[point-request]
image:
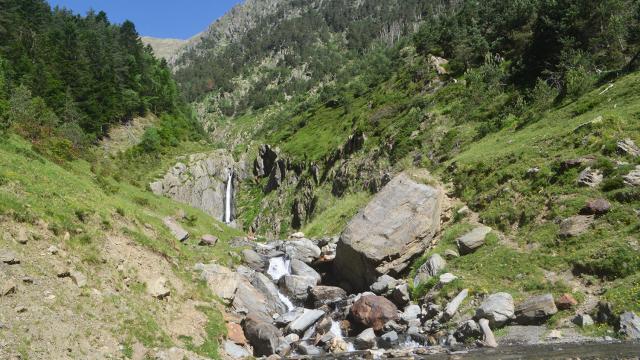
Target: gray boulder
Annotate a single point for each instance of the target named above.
(432, 267)
(389, 340)
(300, 268)
(452, 307)
(583, 320)
(389, 232)
(264, 284)
(286, 318)
(472, 240)
(176, 229)
(248, 299)
(305, 321)
(383, 285)
(535, 310)
(235, 351)
(222, 281)
(297, 286)
(468, 330)
(304, 250)
(9, 257)
(400, 295)
(498, 308)
(630, 326)
(633, 177)
(208, 240)
(365, 340)
(590, 178)
(411, 312)
(322, 295)
(262, 335)
(628, 147)
(254, 260)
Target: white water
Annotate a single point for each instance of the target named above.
(337, 332)
(227, 200)
(279, 267)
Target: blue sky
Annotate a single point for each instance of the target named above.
(180, 19)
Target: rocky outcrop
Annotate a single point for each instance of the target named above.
(633, 177)
(575, 225)
(391, 230)
(628, 147)
(200, 181)
(590, 178)
(535, 310)
(630, 326)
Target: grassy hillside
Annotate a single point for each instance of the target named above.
(113, 233)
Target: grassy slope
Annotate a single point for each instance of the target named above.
(70, 198)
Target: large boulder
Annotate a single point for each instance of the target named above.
(222, 281)
(373, 311)
(389, 232)
(498, 308)
(321, 295)
(304, 250)
(536, 309)
(630, 326)
(254, 260)
(296, 286)
(263, 336)
(269, 289)
(300, 268)
(176, 229)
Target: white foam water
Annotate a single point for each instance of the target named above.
(285, 300)
(337, 332)
(227, 200)
(279, 267)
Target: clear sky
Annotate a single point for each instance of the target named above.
(179, 19)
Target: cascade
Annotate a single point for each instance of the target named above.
(228, 198)
(279, 267)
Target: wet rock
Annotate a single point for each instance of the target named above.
(9, 257)
(489, 339)
(596, 207)
(401, 295)
(311, 350)
(575, 225)
(498, 308)
(176, 229)
(373, 311)
(389, 232)
(365, 340)
(389, 340)
(158, 288)
(633, 177)
(262, 283)
(297, 287)
(301, 269)
(304, 250)
(535, 310)
(630, 326)
(322, 295)
(432, 267)
(262, 335)
(566, 302)
(471, 241)
(383, 285)
(254, 260)
(208, 240)
(452, 307)
(583, 320)
(235, 351)
(628, 147)
(590, 178)
(305, 321)
(468, 330)
(235, 333)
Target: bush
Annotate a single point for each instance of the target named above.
(151, 141)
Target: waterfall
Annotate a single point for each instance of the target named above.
(337, 332)
(279, 267)
(228, 198)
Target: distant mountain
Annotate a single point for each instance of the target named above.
(164, 48)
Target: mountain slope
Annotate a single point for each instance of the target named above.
(164, 48)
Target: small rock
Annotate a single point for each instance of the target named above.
(322, 295)
(307, 349)
(158, 289)
(62, 272)
(7, 287)
(388, 340)
(305, 321)
(596, 207)
(633, 177)
(176, 229)
(474, 239)
(575, 225)
(235, 333)
(451, 254)
(235, 351)
(53, 250)
(27, 280)
(583, 320)
(23, 236)
(628, 147)
(554, 335)
(498, 308)
(20, 309)
(291, 338)
(400, 295)
(208, 240)
(391, 325)
(590, 178)
(432, 267)
(411, 312)
(365, 340)
(78, 278)
(630, 326)
(447, 278)
(373, 311)
(464, 211)
(432, 310)
(297, 286)
(489, 339)
(454, 304)
(566, 302)
(468, 330)
(8, 257)
(297, 235)
(304, 250)
(383, 285)
(536, 309)
(300, 268)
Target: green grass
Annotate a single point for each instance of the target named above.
(334, 214)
